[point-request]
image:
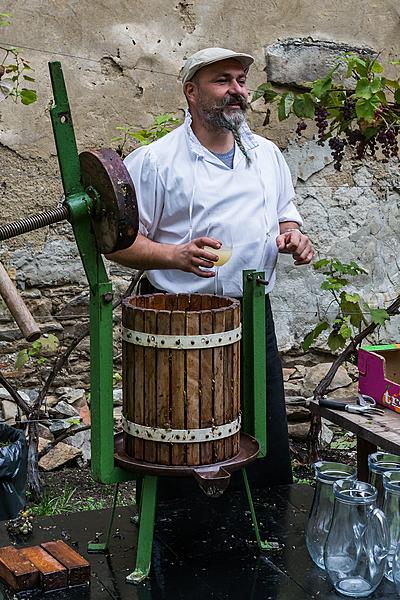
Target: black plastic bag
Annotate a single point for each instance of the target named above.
(13, 471)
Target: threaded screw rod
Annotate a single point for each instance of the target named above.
(55, 215)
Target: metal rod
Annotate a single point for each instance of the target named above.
(10, 230)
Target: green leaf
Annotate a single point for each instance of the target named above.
(27, 96)
(334, 283)
(264, 91)
(310, 337)
(397, 96)
(363, 88)
(376, 85)
(353, 298)
(28, 78)
(395, 62)
(376, 67)
(365, 109)
(321, 86)
(336, 341)
(379, 315)
(322, 262)
(22, 359)
(345, 331)
(303, 106)
(285, 105)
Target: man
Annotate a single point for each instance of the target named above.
(214, 169)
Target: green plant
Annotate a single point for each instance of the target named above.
(15, 72)
(55, 505)
(162, 125)
(46, 344)
(364, 117)
(350, 316)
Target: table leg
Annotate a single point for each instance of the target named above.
(363, 449)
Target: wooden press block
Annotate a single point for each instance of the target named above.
(78, 568)
(53, 575)
(17, 570)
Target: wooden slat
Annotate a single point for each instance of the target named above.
(206, 385)
(218, 380)
(77, 567)
(163, 387)
(128, 378)
(17, 571)
(236, 379)
(150, 386)
(178, 399)
(228, 383)
(192, 384)
(139, 366)
(53, 575)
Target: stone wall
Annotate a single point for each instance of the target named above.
(121, 63)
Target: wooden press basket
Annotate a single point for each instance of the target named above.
(181, 378)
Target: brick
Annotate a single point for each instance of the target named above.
(78, 568)
(53, 575)
(17, 571)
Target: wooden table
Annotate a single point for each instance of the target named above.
(379, 431)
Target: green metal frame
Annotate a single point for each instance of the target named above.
(81, 207)
(254, 359)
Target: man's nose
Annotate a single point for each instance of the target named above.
(235, 87)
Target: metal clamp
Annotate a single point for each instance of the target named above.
(181, 436)
(182, 342)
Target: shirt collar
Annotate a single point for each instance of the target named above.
(248, 138)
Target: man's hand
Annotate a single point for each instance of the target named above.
(198, 253)
(296, 243)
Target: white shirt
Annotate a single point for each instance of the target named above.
(181, 187)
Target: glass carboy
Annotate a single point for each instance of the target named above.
(358, 540)
(391, 508)
(378, 463)
(319, 520)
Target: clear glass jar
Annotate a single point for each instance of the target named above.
(319, 519)
(396, 569)
(378, 463)
(358, 540)
(391, 508)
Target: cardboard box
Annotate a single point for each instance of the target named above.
(379, 374)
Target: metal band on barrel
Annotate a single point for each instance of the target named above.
(181, 436)
(182, 342)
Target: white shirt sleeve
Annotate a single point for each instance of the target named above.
(149, 188)
(287, 211)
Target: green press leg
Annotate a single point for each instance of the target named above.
(262, 545)
(146, 529)
(103, 547)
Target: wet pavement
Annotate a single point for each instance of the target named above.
(203, 549)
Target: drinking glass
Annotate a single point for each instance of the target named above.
(378, 463)
(391, 508)
(223, 233)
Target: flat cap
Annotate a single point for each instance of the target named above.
(205, 57)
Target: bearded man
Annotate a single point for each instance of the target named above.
(214, 169)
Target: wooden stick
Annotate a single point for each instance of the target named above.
(17, 307)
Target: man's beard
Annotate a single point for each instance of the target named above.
(214, 117)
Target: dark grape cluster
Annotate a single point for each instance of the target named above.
(301, 126)
(388, 141)
(322, 123)
(348, 109)
(337, 145)
(354, 136)
(336, 327)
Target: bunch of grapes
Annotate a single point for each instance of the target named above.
(348, 109)
(337, 145)
(322, 123)
(22, 524)
(388, 141)
(301, 126)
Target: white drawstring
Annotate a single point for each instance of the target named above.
(191, 203)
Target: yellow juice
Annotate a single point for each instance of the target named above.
(223, 253)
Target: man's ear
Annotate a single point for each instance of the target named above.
(189, 89)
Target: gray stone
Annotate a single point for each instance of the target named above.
(345, 392)
(297, 413)
(81, 440)
(65, 409)
(4, 395)
(301, 60)
(315, 374)
(306, 159)
(326, 435)
(117, 396)
(117, 413)
(59, 426)
(298, 431)
(70, 395)
(296, 401)
(29, 395)
(45, 433)
(58, 456)
(293, 388)
(10, 410)
(287, 373)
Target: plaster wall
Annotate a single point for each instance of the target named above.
(121, 62)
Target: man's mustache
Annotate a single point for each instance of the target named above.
(230, 99)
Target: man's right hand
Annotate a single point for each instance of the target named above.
(196, 256)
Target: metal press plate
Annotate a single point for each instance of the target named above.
(115, 218)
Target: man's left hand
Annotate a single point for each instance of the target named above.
(296, 243)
